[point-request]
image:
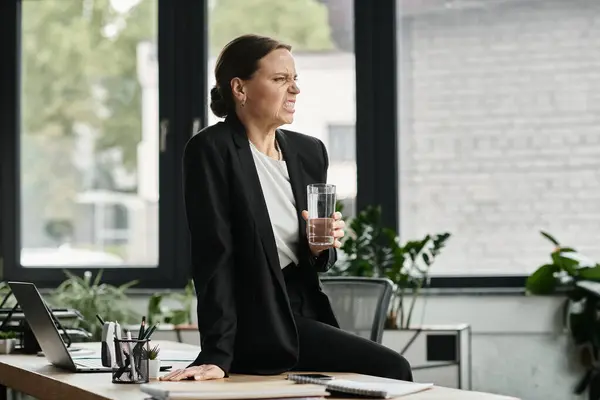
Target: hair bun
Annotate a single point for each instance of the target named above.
(218, 105)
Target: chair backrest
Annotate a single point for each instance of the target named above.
(359, 303)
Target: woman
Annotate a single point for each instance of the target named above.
(260, 305)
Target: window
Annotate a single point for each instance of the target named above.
(499, 134)
(343, 144)
(88, 158)
(89, 110)
(321, 34)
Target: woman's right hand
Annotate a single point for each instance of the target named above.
(199, 373)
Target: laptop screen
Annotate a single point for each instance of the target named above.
(41, 323)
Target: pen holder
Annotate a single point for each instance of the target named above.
(131, 361)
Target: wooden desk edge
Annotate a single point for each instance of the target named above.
(44, 386)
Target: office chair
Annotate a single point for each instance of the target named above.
(359, 303)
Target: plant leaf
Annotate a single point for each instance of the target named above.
(179, 317)
(426, 259)
(98, 278)
(542, 281)
(567, 250)
(590, 273)
(550, 238)
(567, 264)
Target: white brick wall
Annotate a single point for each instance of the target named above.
(500, 132)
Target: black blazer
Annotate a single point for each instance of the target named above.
(244, 317)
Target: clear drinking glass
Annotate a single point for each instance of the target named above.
(321, 206)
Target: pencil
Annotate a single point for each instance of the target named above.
(142, 328)
(149, 332)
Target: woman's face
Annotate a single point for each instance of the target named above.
(270, 95)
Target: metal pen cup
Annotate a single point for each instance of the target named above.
(131, 364)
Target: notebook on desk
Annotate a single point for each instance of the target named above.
(220, 390)
(379, 390)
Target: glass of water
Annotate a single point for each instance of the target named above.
(321, 206)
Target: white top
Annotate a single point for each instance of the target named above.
(277, 189)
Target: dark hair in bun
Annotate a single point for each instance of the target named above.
(238, 59)
(217, 103)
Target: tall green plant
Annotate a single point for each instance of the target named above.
(368, 246)
(158, 312)
(372, 250)
(569, 273)
(410, 272)
(92, 297)
(565, 268)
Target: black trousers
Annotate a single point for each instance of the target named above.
(324, 348)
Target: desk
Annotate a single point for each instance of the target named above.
(33, 375)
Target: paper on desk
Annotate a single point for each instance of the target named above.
(387, 389)
(177, 355)
(205, 390)
(165, 355)
(78, 354)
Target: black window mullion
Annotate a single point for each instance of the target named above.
(9, 115)
(191, 93)
(171, 102)
(376, 107)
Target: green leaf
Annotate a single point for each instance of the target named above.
(98, 278)
(567, 250)
(154, 307)
(179, 317)
(590, 273)
(91, 298)
(127, 285)
(426, 259)
(550, 238)
(565, 263)
(542, 281)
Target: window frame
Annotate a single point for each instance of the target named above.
(175, 21)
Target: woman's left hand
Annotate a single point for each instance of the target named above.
(338, 233)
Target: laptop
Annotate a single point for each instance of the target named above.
(45, 331)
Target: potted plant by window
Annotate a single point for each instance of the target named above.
(578, 278)
(372, 250)
(180, 317)
(93, 297)
(8, 341)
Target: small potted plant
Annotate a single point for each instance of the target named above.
(153, 362)
(8, 341)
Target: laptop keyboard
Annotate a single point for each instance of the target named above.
(95, 363)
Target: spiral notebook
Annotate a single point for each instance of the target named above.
(379, 390)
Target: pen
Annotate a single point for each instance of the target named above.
(131, 358)
(100, 319)
(149, 332)
(142, 326)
